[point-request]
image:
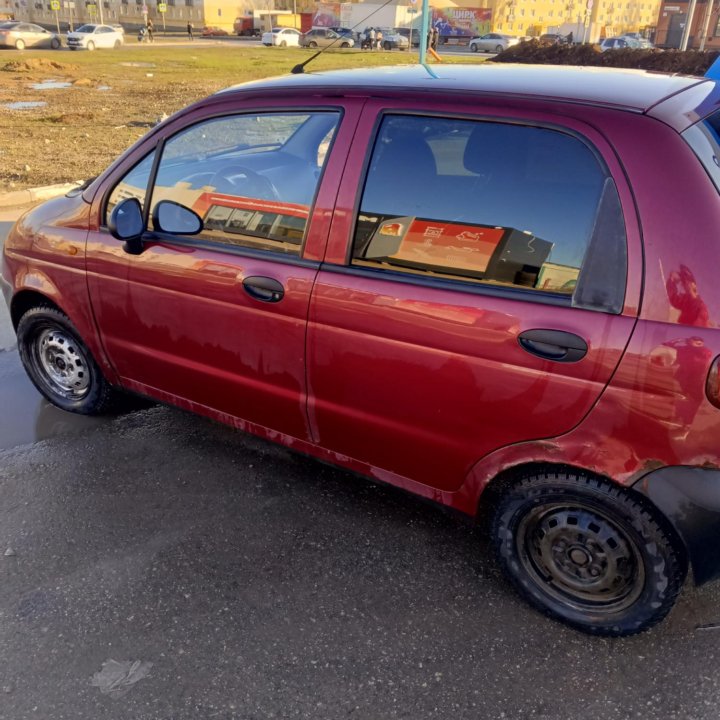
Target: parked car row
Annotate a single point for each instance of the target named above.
(391, 38)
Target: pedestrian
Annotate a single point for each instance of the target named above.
(435, 38)
(379, 39)
(570, 39)
(190, 30)
(371, 35)
(150, 30)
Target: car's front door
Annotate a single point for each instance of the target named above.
(218, 320)
(474, 291)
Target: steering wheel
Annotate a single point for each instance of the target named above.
(241, 180)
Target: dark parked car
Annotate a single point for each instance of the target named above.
(500, 294)
(554, 39)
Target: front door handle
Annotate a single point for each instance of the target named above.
(556, 345)
(263, 288)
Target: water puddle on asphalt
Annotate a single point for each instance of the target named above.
(25, 105)
(26, 416)
(51, 85)
(104, 87)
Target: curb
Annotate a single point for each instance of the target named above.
(20, 198)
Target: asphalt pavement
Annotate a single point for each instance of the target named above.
(158, 566)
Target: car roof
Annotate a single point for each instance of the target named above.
(634, 90)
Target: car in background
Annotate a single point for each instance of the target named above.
(21, 35)
(405, 32)
(553, 39)
(347, 32)
(118, 27)
(90, 37)
(392, 39)
(282, 37)
(213, 31)
(493, 42)
(643, 42)
(325, 37)
(619, 43)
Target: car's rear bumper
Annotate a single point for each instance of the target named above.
(689, 497)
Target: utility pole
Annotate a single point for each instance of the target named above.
(706, 23)
(688, 24)
(424, 26)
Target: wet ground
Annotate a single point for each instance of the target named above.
(157, 566)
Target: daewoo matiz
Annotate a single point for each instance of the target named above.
(495, 287)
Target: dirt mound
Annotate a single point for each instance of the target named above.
(689, 62)
(34, 64)
(84, 82)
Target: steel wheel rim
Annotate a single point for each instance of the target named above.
(580, 557)
(62, 363)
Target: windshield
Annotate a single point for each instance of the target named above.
(277, 30)
(86, 29)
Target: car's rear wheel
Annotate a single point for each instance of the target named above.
(91, 45)
(588, 552)
(117, 44)
(312, 44)
(59, 363)
(473, 47)
(387, 46)
(345, 45)
(283, 43)
(54, 43)
(19, 44)
(499, 48)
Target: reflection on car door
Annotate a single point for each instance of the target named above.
(219, 320)
(429, 347)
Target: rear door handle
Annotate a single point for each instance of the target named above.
(263, 288)
(556, 345)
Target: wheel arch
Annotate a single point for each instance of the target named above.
(493, 490)
(24, 300)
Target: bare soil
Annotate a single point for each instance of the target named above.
(84, 126)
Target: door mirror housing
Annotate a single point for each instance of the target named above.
(126, 223)
(176, 219)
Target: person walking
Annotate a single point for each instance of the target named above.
(150, 30)
(190, 30)
(434, 38)
(379, 39)
(371, 35)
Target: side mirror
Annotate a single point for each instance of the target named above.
(126, 223)
(175, 219)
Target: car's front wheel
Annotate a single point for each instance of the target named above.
(117, 44)
(345, 45)
(474, 47)
(283, 43)
(312, 44)
(91, 45)
(499, 48)
(588, 552)
(59, 363)
(19, 44)
(55, 44)
(387, 46)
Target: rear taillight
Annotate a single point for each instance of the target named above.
(712, 384)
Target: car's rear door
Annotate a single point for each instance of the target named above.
(480, 286)
(218, 320)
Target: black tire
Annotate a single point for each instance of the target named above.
(387, 46)
(499, 48)
(60, 365)
(55, 44)
(312, 44)
(588, 552)
(473, 47)
(345, 45)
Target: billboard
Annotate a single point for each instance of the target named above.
(327, 15)
(462, 22)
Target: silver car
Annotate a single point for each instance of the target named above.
(324, 37)
(20, 35)
(493, 42)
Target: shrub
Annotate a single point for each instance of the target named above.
(688, 62)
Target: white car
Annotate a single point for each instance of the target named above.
(282, 37)
(493, 43)
(89, 37)
(618, 43)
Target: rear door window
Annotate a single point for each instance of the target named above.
(488, 203)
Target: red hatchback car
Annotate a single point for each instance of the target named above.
(495, 287)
